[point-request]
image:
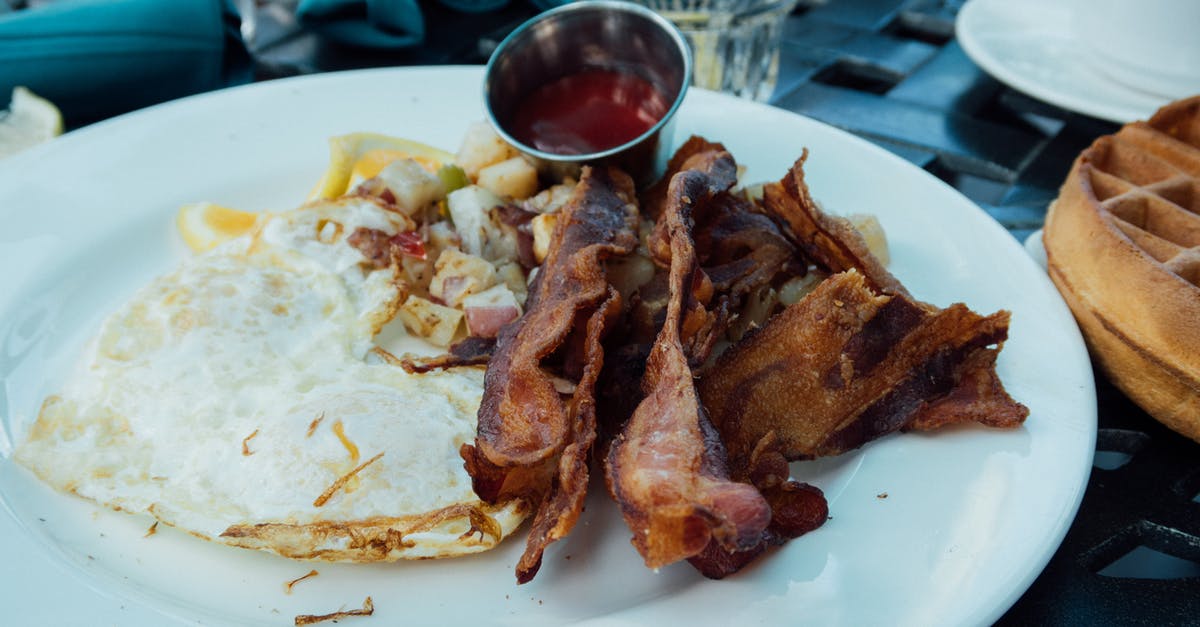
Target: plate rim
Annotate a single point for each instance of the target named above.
(965, 31)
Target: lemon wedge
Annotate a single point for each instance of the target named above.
(204, 225)
(29, 121)
(359, 156)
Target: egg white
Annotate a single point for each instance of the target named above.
(232, 398)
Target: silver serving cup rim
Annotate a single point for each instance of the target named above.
(608, 154)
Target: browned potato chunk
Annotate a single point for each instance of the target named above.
(512, 178)
(435, 323)
(481, 147)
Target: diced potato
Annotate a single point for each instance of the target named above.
(458, 275)
(552, 198)
(469, 209)
(543, 230)
(416, 273)
(494, 296)
(435, 323)
(752, 192)
(489, 310)
(409, 185)
(872, 231)
(629, 273)
(482, 147)
(757, 308)
(795, 289)
(513, 277)
(501, 244)
(441, 237)
(476, 215)
(513, 178)
(645, 234)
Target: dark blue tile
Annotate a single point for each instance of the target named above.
(981, 190)
(885, 57)
(1021, 234)
(1017, 216)
(809, 32)
(1031, 195)
(1049, 166)
(865, 14)
(1021, 103)
(865, 53)
(963, 144)
(933, 19)
(949, 81)
(798, 65)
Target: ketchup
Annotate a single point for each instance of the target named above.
(588, 112)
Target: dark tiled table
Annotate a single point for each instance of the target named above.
(890, 71)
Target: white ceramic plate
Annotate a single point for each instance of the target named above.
(971, 515)
(1036, 249)
(1028, 45)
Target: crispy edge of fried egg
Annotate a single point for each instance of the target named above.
(458, 529)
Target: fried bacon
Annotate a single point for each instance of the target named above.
(563, 502)
(832, 242)
(796, 509)
(532, 443)
(690, 156)
(667, 469)
(857, 358)
(846, 365)
(382, 250)
(742, 250)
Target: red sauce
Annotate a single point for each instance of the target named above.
(588, 112)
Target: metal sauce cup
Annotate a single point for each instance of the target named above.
(589, 35)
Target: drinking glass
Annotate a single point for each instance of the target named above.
(735, 43)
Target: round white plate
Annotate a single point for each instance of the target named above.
(1028, 45)
(971, 515)
(1037, 250)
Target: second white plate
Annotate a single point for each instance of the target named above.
(1028, 45)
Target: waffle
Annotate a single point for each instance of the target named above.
(1123, 244)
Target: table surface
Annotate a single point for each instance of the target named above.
(891, 71)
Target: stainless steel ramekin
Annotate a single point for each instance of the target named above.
(590, 35)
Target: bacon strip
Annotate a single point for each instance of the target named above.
(830, 241)
(531, 443)
(741, 250)
(685, 158)
(796, 509)
(563, 503)
(857, 358)
(667, 468)
(854, 360)
(819, 375)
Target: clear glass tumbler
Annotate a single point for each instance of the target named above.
(735, 43)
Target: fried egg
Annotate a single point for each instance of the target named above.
(233, 398)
